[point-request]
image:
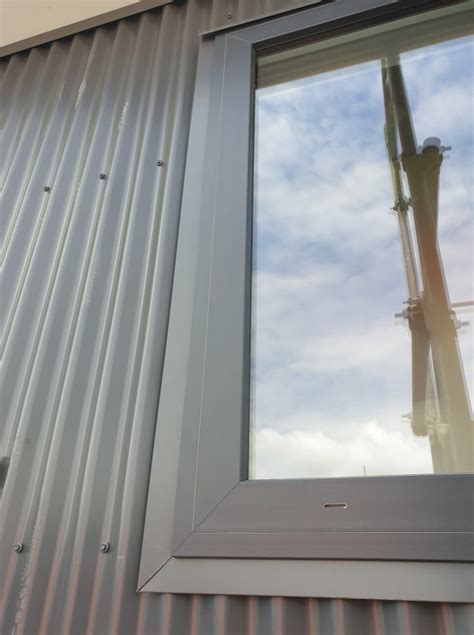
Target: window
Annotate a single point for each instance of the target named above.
(209, 527)
(333, 373)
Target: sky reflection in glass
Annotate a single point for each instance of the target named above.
(331, 365)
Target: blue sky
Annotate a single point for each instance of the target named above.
(331, 364)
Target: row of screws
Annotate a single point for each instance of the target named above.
(104, 547)
(103, 176)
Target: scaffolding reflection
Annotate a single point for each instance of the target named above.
(440, 400)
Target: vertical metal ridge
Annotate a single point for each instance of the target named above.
(47, 81)
(9, 85)
(67, 537)
(28, 237)
(54, 256)
(27, 150)
(19, 103)
(115, 473)
(28, 517)
(42, 176)
(118, 226)
(87, 272)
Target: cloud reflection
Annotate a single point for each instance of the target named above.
(331, 368)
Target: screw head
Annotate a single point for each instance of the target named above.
(18, 547)
(160, 163)
(105, 547)
(229, 15)
(46, 188)
(102, 176)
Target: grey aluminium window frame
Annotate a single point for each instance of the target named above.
(208, 529)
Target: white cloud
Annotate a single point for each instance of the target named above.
(362, 349)
(310, 454)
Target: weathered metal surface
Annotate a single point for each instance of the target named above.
(87, 268)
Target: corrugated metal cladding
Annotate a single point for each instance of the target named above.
(89, 226)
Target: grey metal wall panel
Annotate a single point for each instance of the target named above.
(87, 267)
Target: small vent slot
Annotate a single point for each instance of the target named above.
(335, 505)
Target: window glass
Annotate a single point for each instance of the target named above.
(362, 272)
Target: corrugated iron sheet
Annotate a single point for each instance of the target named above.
(88, 233)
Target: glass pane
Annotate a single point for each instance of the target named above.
(362, 349)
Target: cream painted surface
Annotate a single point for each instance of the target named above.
(23, 19)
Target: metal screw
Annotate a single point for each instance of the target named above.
(102, 176)
(229, 15)
(160, 163)
(105, 547)
(46, 188)
(18, 547)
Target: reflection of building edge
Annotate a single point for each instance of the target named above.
(440, 402)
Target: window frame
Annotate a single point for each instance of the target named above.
(205, 522)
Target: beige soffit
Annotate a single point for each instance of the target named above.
(27, 23)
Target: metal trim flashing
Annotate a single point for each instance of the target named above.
(255, 20)
(211, 510)
(293, 7)
(350, 579)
